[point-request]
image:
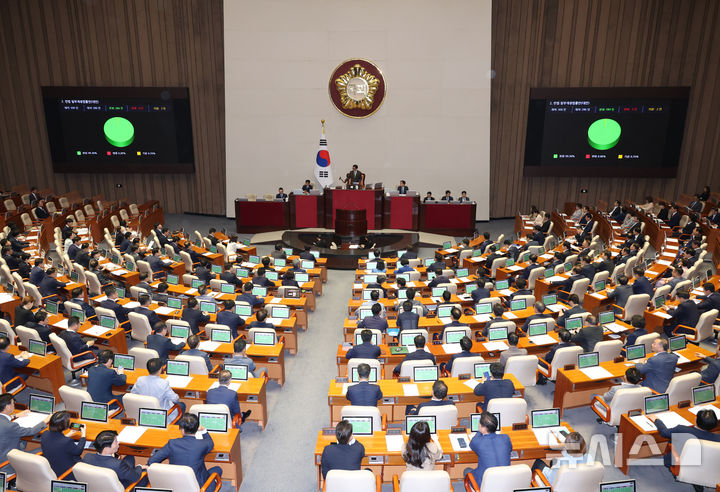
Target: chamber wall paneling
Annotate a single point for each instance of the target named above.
(175, 43)
(567, 43)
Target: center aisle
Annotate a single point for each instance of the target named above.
(284, 453)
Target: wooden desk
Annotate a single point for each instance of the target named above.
(113, 339)
(8, 305)
(271, 357)
(46, 373)
(394, 399)
(287, 329)
(574, 389)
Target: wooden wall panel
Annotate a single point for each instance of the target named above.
(582, 43)
(113, 43)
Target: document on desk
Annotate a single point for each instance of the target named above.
(359, 286)
(542, 340)
(465, 297)
(31, 420)
(63, 323)
(682, 359)
(131, 305)
(394, 443)
(191, 291)
(451, 250)
(556, 308)
(276, 300)
(482, 318)
(662, 314)
(411, 389)
(130, 434)
(695, 410)
(599, 295)
(96, 331)
(232, 386)
(208, 346)
(465, 280)
(454, 281)
(547, 256)
(5, 297)
(177, 340)
(510, 315)
(120, 271)
(471, 383)
(597, 372)
(698, 292)
(451, 348)
(615, 328)
(505, 292)
(492, 346)
(178, 381)
(164, 311)
(672, 419)
(555, 278)
(664, 262)
(99, 299)
(548, 436)
(515, 268)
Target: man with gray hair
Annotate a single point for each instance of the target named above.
(223, 395)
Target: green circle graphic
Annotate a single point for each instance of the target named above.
(604, 134)
(119, 132)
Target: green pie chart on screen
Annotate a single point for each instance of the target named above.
(604, 134)
(119, 132)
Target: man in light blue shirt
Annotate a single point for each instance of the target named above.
(193, 341)
(239, 357)
(154, 385)
(492, 449)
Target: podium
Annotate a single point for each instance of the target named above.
(351, 223)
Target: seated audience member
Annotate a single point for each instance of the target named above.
(77, 298)
(194, 316)
(193, 341)
(621, 292)
(492, 449)
(710, 373)
(24, 313)
(632, 379)
(107, 445)
(159, 342)
(223, 395)
(512, 350)
(289, 280)
(154, 385)
(575, 308)
(365, 350)
(375, 321)
(261, 280)
(660, 368)
(240, 357)
(428, 197)
(498, 310)
(455, 315)
(411, 297)
(642, 284)
(539, 309)
(495, 387)
(75, 343)
(42, 327)
(710, 299)
(638, 323)
(574, 452)
(61, 451)
(364, 393)
(419, 354)
(37, 273)
(189, 450)
(228, 317)
(11, 432)
(420, 452)
(345, 454)
(408, 319)
(705, 423)
(102, 377)
(565, 341)
(481, 292)
(374, 298)
(260, 318)
(685, 314)
(589, 334)
(111, 303)
(202, 271)
(50, 285)
(144, 309)
(439, 398)
(466, 347)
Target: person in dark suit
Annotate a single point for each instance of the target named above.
(409, 255)
(447, 197)
(498, 310)
(375, 321)
(223, 395)
(102, 377)
(525, 274)
(144, 309)
(455, 314)
(41, 326)
(714, 216)
(227, 317)
(495, 387)
(34, 195)
(481, 292)
(365, 350)
(710, 298)
(260, 318)
(188, 450)
(539, 308)
(194, 316)
(491, 448)
(589, 334)
(402, 189)
(227, 276)
(159, 342)
(438, 264)
(428, 197)
(686, 314)
(111, 303)
(77, 298)
(289, 280)
(659, 369)
(439, 279)
(261, 280)
(566, 285)
(381, 279)
(11, 259)
(345, 454)
(124, 244)
(74, 248)
(37, 273)
(439, 398)
(621, 292)
(249, 297)
(306, 254)
(202, 272)
(61, 451)
(606, 263)
(50, 286)
(674, 216)
(522, 290)
(616, 211)
(75, 344)
(23, 312)
(584, 234)
(161, 295)
(106, 444)
(565, 341)
(575, 308)
(9, 362)
(587, 269)
(638, 323)
(364, 393)
(494, 255)
(408, 319)
(642, 284)
(193, 341)
(155, 262)
(419, 354)
(466, 347)
(83, 256)
(705, 422)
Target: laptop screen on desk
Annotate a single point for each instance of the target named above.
(243, 310)
(502, 284)
(438, 291)
(509, 262)
(454, 336)
(407, 339)
(51, 307)
(370, 279)
(172, 279)
(301, 277)
(635, 351)
(179, 331)
(215, 268)
(178, 368)
(677, 343)
(497, 333)
(239, 372)
(42, 404)
(444, 311)
(279, 262)
(703, 394)
(482, 370)
(196, 283)
(259, 291)
(476, 253)
(174, 302)
(220, 335)
(107, 321)
(536, 329)
(657, 403)
(242, 273)
(447, 245)
(123, 360)
(367, 294)
(214, 422)
(475, 422)
(271, 275)
(37, 347)
(363, 313)
(227, 288)
(590, 359)
(373, 339)
(405, 276)
(462, 272)
(574, 323)
(621, 486)
(153, 417)
(307, 264)
(545, 418)
(483, 308)
(97, 412)
(208, 307)
(411, 420)
(469, 288)
(263, 338)
(517, 304)
(79, 313)
(355, 377)
(549, 299)
(425, 373)
(659, 301)
(606, 317)
(599, 286)
(361, 426)
(67, 486)
(253, 259)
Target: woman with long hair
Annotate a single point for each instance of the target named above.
(420, 452)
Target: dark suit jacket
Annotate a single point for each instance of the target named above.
(8, 363)
(683, 429)
(492, 450)
(225, 396)
(408, 320)
(568, 313)
(374, 322)
(494, 388)
(125, 469)
(588, 271)
(659, 370)
(74, 342)
(43, 330)
(262, 281)
(464, 353)
(72, 251)
(638, 332)
(419, 354)
(87, 308)
(152, 317)
(203, 274)
(342, 457)
(551, 353)
(588, 336)
(23, 316)
(62, 452)
(566, 284)
(230, 278)
(674, 220)
(710, 373)
(488, 325)
(250, 299)
(710, 302)
(195, 318)
(83, 258)
(100, 381)
(479, 294)
(120, 312)
(620, 294)
(440, 279)
(163, 345)
(156, 264)
(188, 451)
(685, 314)
(365, 350)
(364, 394)
(231, 320)
(36, 275)
(642, 286)
(50, 286)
